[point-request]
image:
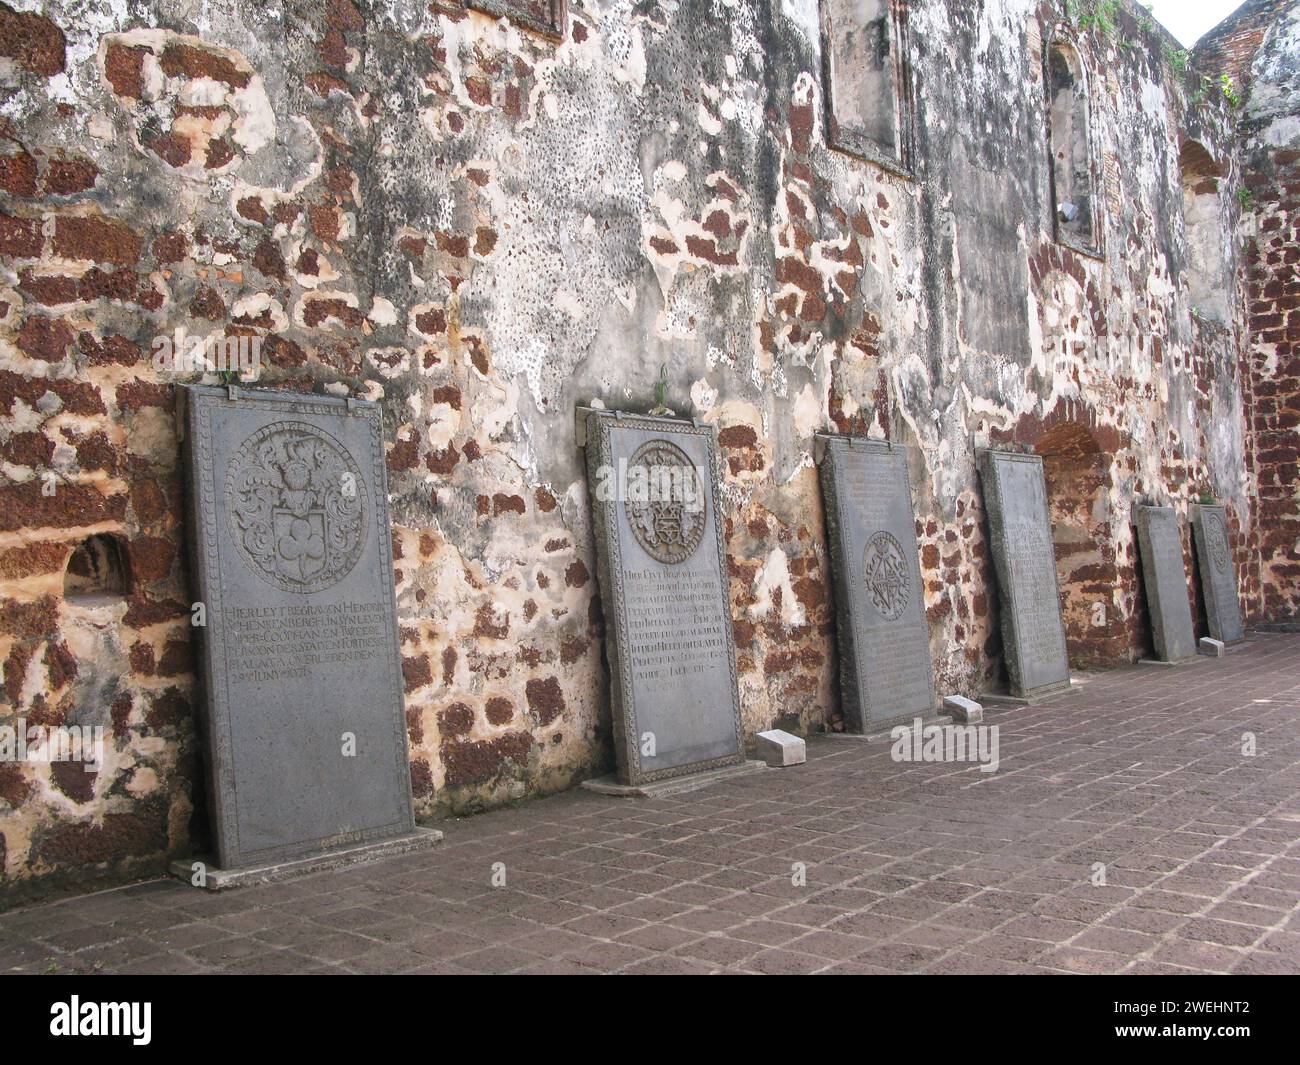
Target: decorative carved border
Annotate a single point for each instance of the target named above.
(214, 654)
(609, 555)
(552, 29)
(991, 481)
(853, 142)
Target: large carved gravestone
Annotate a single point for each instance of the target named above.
(885, 669)
(1164, 577)
(1218, 574)
(306, 737)
(1033, 636)
(663, 585)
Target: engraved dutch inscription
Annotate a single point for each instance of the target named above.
(292, 556)
(1164, 577)
(1020, 531)
(1218, 574)
(885, 668)
(663, 586)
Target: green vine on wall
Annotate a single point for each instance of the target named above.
(1102, 18)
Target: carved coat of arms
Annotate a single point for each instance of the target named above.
(886, 574)
(1216, 536)
(297, 506)
(667, 518)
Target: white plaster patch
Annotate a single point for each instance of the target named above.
(776, 574)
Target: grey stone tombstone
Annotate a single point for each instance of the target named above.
(1164, 576)
(1020, 530)
(886, 674)
(1218, 574)
(301, 676)
(663, 584)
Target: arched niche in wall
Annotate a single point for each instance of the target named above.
(1074, 199)
(1208, 264)
(1077, 463)
(96, 572)
(867, 81)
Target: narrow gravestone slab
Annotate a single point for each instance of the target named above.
(1164, 576)
(1020, 531)
(292, 555)
(884, 640)
(663, 585)
(1218, 574)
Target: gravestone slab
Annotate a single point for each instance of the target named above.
(1218, 574)
(663, 584)
(299, 658)
(884, 640)
(1164, 576)
(1020, 531)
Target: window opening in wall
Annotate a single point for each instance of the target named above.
(541, 16)
(1207, 270)
(1070, 141)
(868, 100)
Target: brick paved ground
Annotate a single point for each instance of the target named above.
(910, 868)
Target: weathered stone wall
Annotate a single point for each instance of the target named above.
(481, 226)
(1267, 51)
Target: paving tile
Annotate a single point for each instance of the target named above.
(909, 867)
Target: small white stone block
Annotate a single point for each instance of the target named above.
(779, 748)
(1213, 648)
(965, 710)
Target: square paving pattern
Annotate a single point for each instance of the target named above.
(909, 867)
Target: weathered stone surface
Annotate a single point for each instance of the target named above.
(885, 669)
(198, 874)
(1033, 637)
(479, 227)
(1218, 574)
(676, 705)
(1164, 576)
(658, 789)
(1258, 47)
(965, 710)
(306, 737)
(779, 749)
(1210, 647)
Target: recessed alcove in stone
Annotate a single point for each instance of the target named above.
(1077, 473)
(96, 571)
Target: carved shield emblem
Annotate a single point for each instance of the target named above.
(667, 513)
(300, 544)
(885, 572)
(1216, 536)
(297, 506)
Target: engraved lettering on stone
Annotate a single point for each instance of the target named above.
(1033, 577)
(663, 524)
(294, 524)
(887, 574)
